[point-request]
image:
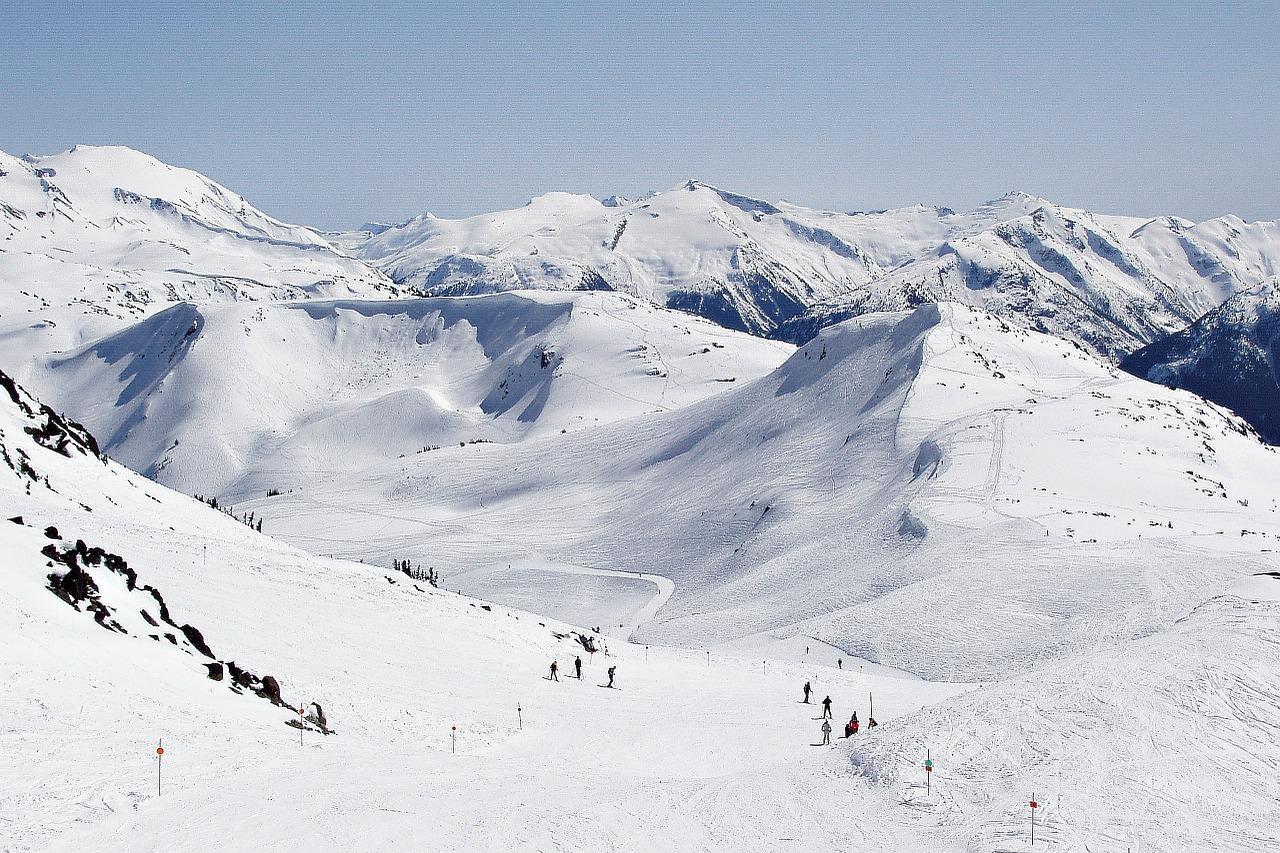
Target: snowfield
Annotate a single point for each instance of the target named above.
(1048, 577)
(1140, 743)
(939, 491)
(307, 390)
(97, 237)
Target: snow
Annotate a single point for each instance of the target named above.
(395, 667)
(1144, 743)
(1051, 576)
(311, 389)
(113, 235)
(1112, 283)
(890, 468)
(1228, 356)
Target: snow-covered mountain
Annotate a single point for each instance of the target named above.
(134, 617)
(1230, 355)
(1112, 283)
(96, 237)
(939, 490)
(235, 399)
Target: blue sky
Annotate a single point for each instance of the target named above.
(337, 117)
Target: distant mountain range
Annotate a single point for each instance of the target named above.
(95, 238)
(1111, 283)
(1230, 355)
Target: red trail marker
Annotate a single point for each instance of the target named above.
(1034, 806)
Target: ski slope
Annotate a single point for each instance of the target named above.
(1142, 743)
(237, 399)
(938, 491)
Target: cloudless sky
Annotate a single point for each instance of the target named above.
(379, 111)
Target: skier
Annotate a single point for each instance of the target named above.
(851, 727)
(839, 663)
(826, 732)
(871, 723)
(555, 669)
(611, 669)
(577, 664)
(826, 707)
(807, 691)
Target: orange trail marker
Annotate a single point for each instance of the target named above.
(159, 761)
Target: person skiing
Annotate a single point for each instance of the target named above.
(611, 669)
(851, 727)
(577, 664)
(826, 708)
(555, 669)
(839, 663)
(826, 732)
(807, 690)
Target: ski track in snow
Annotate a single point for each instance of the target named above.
(665, 587)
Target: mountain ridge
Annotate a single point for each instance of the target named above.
(1112, 283)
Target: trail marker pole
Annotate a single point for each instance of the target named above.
(646, 652)
(519, 718)
(453, 740)
(928, 773)
(1034, 806)
(159, 761)
(872, 700)
(301, 710)
(708, 657)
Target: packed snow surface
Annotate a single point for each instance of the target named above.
(445, 732)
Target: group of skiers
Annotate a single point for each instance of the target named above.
(577, 667)
(850, 728)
